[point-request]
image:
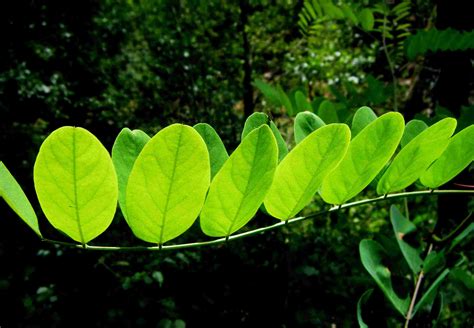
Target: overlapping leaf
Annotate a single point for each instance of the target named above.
(412, 129)
(76, 183)
(362, 117)
(239, 188)
(457, 156)
(217, 152)
(14, 196)
(366, 156)
(305, 124)
(168, 184)
(125, 151)
(300, 174)
(416, 156)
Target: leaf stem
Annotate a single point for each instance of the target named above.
(259, 230)
(415, 292)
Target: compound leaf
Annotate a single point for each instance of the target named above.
(365, 158)
(416, 156)
(15, 197)
(217, 152)
(168, 184)
(125, 150)
(458, 155)
(76, 183)
(300, 174)
(240, 186)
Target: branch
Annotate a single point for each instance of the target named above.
(258, 230)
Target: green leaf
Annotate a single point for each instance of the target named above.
(457, 156)
(412, 129)
(271, 93)
(366, 18)
(253, 122)
(429, 296)
(258, 119)
(300, 174)
(15, 197)
(327, 112)
(240, 186)
(362, 300)
(402, 227)
(349, 14)
(302, 103)
(305, 124)
(217, 152)
(466, 232)
(434, 262)
(76, 183)
(463, 276)
(367, 155)
(413, 160)
(372, 255)
(282, 148)
(125, 151)
(168, 184)
(286, 102)
(362, 117)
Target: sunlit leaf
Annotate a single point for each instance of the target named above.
(372, 256)
(402, 227)
(416, 156)
(300, 174)
(15, 197)
(76, 183)
(125, 151)
(168, 184)
(362, 117)
(412, 129)
(217, 152)
(457, 156)
(239, 188)
(367, 155)
(305, 124)
(282, 147)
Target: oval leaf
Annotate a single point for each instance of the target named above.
(366, 18)
(457, 156)
(282, 148)
(241, 185)
(366, 156)
(301, 173)
(125, 151)
(416, 157)
(412, 129)
(327, 112)
(217, 152)
(372, 255)
(362, 117)
(76, 183)
(168, 184)
(305, 124)
(15, 197)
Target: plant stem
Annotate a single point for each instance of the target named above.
(415, 292)
(259, 230)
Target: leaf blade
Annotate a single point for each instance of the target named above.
(217, 151)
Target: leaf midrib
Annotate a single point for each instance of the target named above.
(76, 201)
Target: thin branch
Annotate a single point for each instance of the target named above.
(258, 230)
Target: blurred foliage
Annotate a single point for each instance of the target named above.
(145, 64)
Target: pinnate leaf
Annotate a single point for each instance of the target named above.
(14, 196)
(365, 158)
(168, 184)
(240, 186)
(76, 183)
(300, 174)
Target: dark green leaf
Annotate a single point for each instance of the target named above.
(362, 300)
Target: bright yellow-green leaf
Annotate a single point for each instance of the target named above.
(168, 184)
(14, 196)
(217, 152)
(365, 158)
(300, 174)
(125, 151)
(412, 129)
(417, 156)
(76, 183)
(457, 156)
(305, 124)
(239, 188)
(362, 117)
